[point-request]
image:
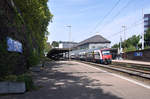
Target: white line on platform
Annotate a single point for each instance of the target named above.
(122, 77)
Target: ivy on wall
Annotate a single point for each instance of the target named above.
(26, 22)
(36, 16)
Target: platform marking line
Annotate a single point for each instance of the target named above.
(122, 77)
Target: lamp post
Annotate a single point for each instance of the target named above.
(69, 26)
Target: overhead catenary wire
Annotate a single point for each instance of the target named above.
(121, 10)
(116, 15)
(122, 31)
(132, 26)
(107, 14)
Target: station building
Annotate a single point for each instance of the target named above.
(67, 44)
(96, 41)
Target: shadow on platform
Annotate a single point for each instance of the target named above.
(61, 85)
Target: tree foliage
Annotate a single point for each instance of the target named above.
(55, 44)
(36, 16)
(115, 46)
(130, 44)
(47, 47)
(147, 38)
(25, 21)
(132, 41)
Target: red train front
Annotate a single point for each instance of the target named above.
(105, 56)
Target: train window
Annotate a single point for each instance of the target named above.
(90, 55)
(97, 55)
(93, 46)
(106, 52)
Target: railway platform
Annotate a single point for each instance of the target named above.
(132, 62)
(76, 80)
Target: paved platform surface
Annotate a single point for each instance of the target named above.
(74, 80)
(133, 62)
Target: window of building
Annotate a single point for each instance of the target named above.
(146, 28)
(145, 23)
(146, 19)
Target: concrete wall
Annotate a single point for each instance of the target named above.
(12, 87)
(145, 55)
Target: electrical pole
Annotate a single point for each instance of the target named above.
(120, 44)
(69, 26)
(142, 31)
(124, 28)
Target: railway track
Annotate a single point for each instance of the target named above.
(123, 69)
(132, 69)
(134, 66)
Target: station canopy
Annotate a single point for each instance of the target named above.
(57, 53)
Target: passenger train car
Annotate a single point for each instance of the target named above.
(102, 56)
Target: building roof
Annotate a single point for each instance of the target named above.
(66, 42)
(94, 39)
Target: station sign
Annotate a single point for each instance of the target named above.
(138, 54)
(13, 45)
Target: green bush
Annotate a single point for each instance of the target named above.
(28, 81)
(130, 48)
(27, 78)
(33, 59)
(8, 61)
(147, 47)
(11, 78)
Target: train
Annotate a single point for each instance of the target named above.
(102, 56)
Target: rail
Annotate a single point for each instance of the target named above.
(127, 70)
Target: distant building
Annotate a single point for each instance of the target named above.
(146, 22)
(96, 41)
(67, 44)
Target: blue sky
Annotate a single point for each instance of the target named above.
(85, 15)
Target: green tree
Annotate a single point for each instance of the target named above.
(26, 21)
(47, 47)
(130, 44)
(55, 44)
(115, 46)
(147, 38)
(36, 16)
(132, 41)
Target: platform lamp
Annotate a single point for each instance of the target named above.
(69, 26)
